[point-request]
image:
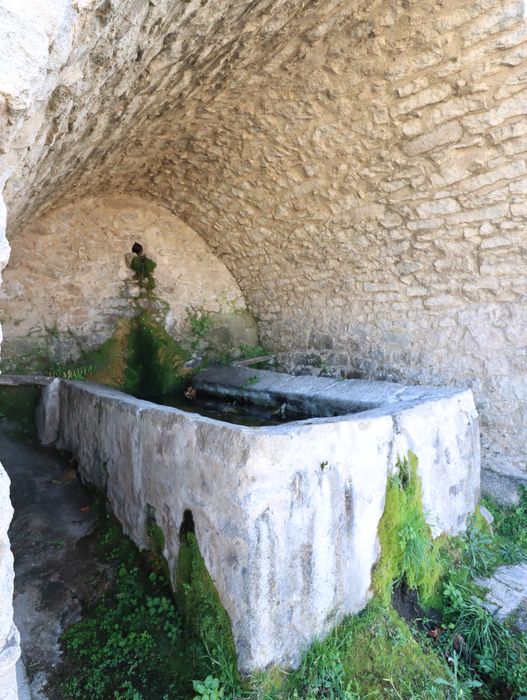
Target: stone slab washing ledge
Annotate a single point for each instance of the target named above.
(286, 516)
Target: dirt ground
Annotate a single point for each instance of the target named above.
(56, 568)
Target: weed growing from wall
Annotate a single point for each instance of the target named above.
(200, 322)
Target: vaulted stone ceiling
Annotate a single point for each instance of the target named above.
(131, 70)
(359, 166)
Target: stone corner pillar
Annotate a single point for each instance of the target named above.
(48, 413)
(9, 636)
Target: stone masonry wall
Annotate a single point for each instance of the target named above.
(366, 184)
(65, 288)
(359, 167)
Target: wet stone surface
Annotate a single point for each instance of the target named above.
(56, 569)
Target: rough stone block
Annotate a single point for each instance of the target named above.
(286, 516)
(506, 594)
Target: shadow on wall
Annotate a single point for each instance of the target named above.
(205, 617)
(70, 288)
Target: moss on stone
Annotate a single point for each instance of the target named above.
(156, 538)
(373, 652)
(109, 359)
(408, 552)
(198, 600)
(17, 408)
(143, 269)
(154, 360)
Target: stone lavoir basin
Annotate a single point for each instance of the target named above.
(285, 515)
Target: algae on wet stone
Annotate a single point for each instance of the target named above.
(409, 554)
(198, 600)
(154, 360)
(141, 358)
(17, 409)
(143, 268)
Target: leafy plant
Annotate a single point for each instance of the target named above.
(77, 373)
(130, 643)
(510, 528)
(490, 651)
(209, 689)
(126, 644)
(458, 688)
(477, 550)
(200, 322)
(250, 381)
(481, 633)
(248, 351)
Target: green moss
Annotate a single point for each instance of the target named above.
(479, 521)
(204, 616)
(143, 268)
(109, 359)
(141, 358)
(154, 555)
(154, 360)
(373, 652)
(35, 359)
(156, 538)
(408, 552)
(17, 407)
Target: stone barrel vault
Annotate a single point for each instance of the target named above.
(359, 166)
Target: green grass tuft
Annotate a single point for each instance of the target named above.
(373, 654)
